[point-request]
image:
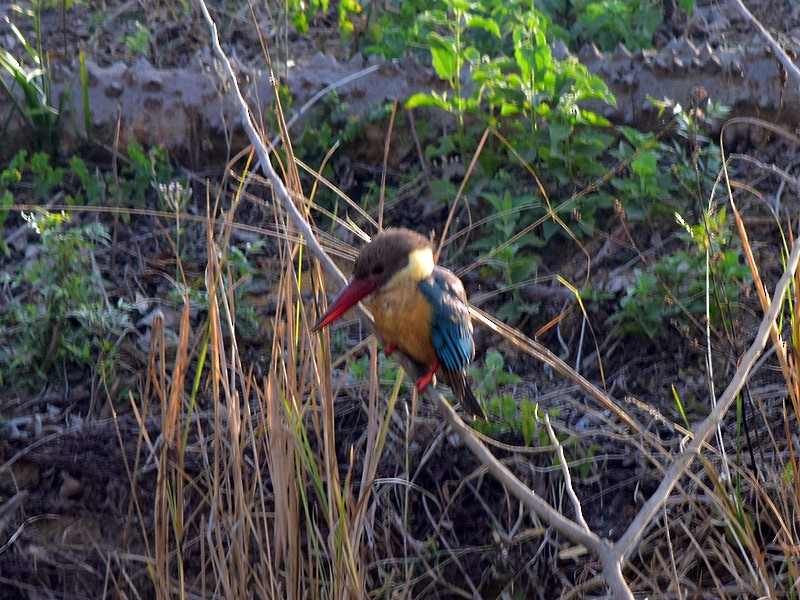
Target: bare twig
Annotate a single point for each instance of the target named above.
(263, 155)
(612, 567)
(631, 537)
(576, 503)
(776, 48)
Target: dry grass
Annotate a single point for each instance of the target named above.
(292, 484)
(280, 500)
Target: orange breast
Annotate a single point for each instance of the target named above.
(403, 317)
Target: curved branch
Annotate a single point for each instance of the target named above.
(633, 534)
(776, 48)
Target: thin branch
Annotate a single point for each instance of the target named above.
(776, 48)
(633, 535)
(576, 504)
(601, 547)
(263, 154)
(321, 94)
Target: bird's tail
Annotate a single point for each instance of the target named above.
(463, 392)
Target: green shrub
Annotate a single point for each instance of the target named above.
(672, 293)
(59, 315)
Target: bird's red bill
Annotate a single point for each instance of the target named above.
(351, 294)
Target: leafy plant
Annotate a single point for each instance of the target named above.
(497, 62)
(661, 175)
(517, 418)
(239, 274)
(37, 107)
(665, 178)
(144, 172)
(611, 22)
(64, 317)
(505, 414)
(512, 262)
(509, 79)
(138, 41)
(9, 178)
(647, 185)
(387, 372)
(300, 13)
(493, 374)
(608, 23)
(673, 290)
(147, 172)
(93, 186)
(46, 177)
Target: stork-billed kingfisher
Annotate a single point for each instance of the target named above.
(418, 307)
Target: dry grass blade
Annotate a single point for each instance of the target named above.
(341, 551)
(702, 432)
(573, 531)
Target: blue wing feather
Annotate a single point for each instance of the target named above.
(451, 334)
(451, 325)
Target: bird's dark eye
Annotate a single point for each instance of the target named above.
(377, 270)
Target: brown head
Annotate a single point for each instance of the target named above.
(392, 254)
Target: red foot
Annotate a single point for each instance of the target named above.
(426, 379)
(388, 349)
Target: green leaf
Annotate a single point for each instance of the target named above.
(443, 55)
(494, 361)
(6, 201)
(421, 99)
(472, 56)
(687, 5)
(559, 133)
(521, 268)
(506, 110)
(788, 475)
(485, 24)
(645, 164)
(592, 118)
(528, 420)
